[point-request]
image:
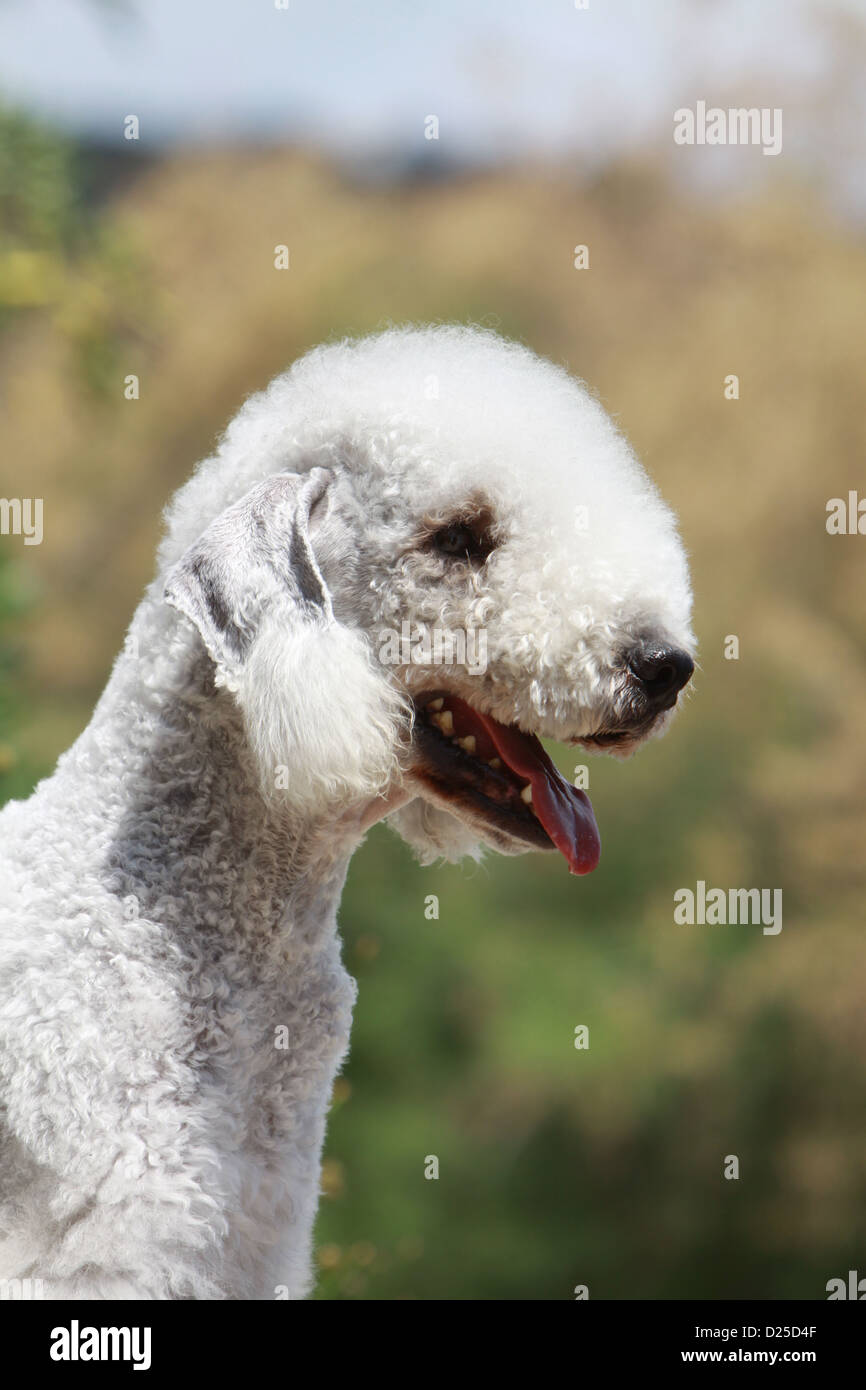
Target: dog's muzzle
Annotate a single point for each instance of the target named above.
(652, 674)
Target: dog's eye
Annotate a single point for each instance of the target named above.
(455, 540)
(460, 540)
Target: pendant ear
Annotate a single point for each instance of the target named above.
(323, 720)
(256, 557)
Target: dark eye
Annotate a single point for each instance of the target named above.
(463, 540)
(456, 540)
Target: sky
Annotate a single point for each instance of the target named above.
(505, 78)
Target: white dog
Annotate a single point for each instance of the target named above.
(173, 1007)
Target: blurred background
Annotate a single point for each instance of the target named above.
(304, 124)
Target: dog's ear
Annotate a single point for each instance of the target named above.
(321, 716)
(255, 556)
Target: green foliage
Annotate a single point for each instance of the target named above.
(38, 197)
(40, 218)
(16, 771)
(58, 256)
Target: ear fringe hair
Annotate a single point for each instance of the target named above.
(325, 724)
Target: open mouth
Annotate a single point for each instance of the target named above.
(503, 777)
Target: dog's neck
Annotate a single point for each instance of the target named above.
(217, 912)
(195, 842)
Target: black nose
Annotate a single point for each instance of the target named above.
(662, 671)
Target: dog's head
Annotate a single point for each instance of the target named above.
(435, 548)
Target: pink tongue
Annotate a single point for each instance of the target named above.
(564, 811)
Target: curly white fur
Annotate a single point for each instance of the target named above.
(168, 898)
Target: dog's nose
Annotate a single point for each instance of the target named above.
(661, 672)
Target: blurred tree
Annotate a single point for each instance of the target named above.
(57, 258)
(57, 255)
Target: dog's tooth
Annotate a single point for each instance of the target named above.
(495, 763)
(444, 721)
(526, 794)
(436, 705)
(467, 743)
